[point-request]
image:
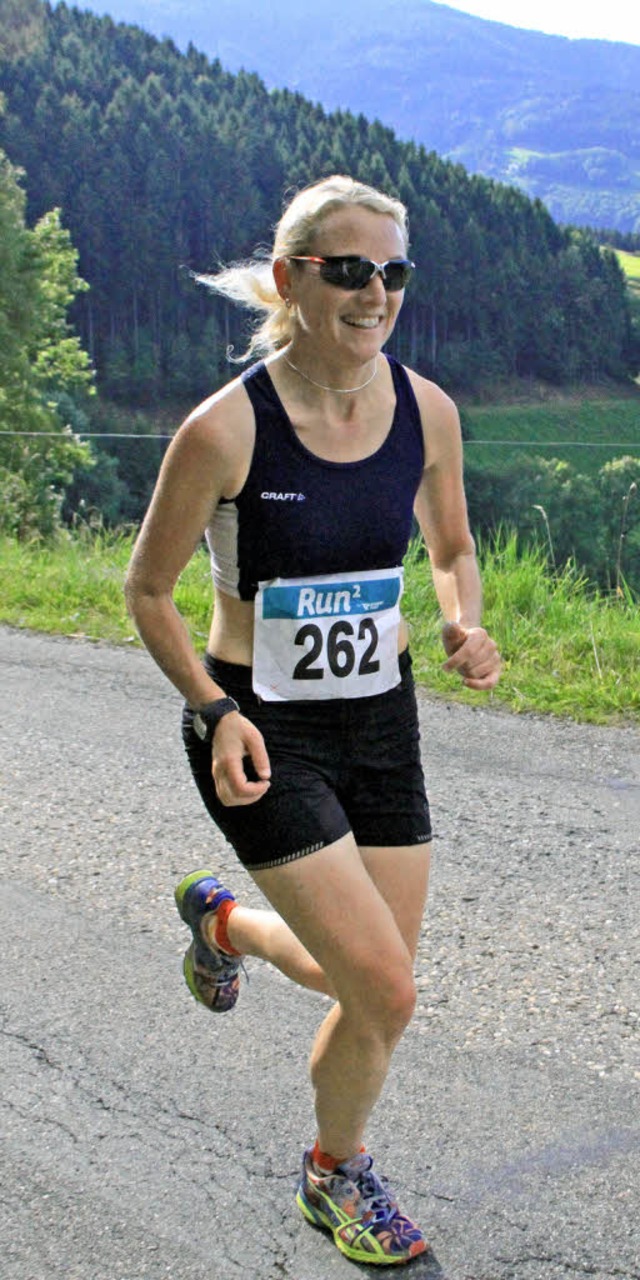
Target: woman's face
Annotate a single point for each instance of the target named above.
(352, 326)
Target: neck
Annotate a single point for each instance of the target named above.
(366, 377)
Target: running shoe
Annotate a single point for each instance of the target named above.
(364, 1219)
(212, 975)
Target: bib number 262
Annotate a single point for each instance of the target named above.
(341, 654)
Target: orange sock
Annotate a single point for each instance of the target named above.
(325, 1163)
(221, 929)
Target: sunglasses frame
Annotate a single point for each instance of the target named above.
(378, 268)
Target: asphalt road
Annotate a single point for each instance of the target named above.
(144, 1138)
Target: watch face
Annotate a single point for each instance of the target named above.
(200, 726)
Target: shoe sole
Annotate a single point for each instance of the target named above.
(191, 979)
(189, 976)
(354, 1255)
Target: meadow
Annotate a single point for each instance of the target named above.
(630, 263)
(568, 649)
(586, 431)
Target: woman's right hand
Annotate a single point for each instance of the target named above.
(236, 738)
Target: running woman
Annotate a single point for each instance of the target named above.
(301, 724)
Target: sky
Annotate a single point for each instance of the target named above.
(585, 19)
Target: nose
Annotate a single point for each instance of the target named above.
(375, 286)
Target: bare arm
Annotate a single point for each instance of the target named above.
(202, 464)
(441, 511)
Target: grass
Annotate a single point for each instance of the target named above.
(580, 431)
(630, 263)
(568, 651)
(74, 587)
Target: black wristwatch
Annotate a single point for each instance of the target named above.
(206, 720)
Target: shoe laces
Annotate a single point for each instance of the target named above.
(375, 1197)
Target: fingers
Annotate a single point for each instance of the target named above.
(240, 763)
(453, 636)
(258, 752)
(473, 655)
(233, 786)
(488, 681)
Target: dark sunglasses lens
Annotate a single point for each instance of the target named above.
(397, 275)
(347, 273)
(355, 273)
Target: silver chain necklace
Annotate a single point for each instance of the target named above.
(339, 391)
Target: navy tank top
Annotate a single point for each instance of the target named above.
(299, 515)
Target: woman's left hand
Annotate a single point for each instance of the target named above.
(473, 654)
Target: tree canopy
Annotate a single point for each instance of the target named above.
(42, 364)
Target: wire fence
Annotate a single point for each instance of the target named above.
(92, 435)
(559, 444)
(512, 444)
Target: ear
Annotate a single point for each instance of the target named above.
(282, 278)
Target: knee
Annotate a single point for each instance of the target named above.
(399, 1001)
(389, 1001)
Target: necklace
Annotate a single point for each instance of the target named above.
(339, 391)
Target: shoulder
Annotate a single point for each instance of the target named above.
(212, 449)
(221, 418)
(218, 434)
(439, 416)
(431, 398)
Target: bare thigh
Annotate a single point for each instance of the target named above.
(401, 876)
(339, 912)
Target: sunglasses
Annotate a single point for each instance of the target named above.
(347, 271)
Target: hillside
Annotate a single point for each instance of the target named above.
(558, 117)
(163, 162)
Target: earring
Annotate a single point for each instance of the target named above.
(287, 303)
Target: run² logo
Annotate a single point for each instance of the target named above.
(282, 497)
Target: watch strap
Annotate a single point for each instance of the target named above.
(207, 719)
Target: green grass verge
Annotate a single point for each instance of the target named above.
(74, 587)
(568, 651)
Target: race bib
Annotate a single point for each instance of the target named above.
(334, 636)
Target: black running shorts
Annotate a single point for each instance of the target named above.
(336, 766)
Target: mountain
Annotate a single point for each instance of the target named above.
(558, 117)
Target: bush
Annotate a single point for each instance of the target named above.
(571, 516)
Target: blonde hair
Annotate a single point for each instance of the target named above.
(251, 283)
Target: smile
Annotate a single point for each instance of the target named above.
(370, 322)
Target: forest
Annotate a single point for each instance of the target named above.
(161, 164)
(554, 116)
